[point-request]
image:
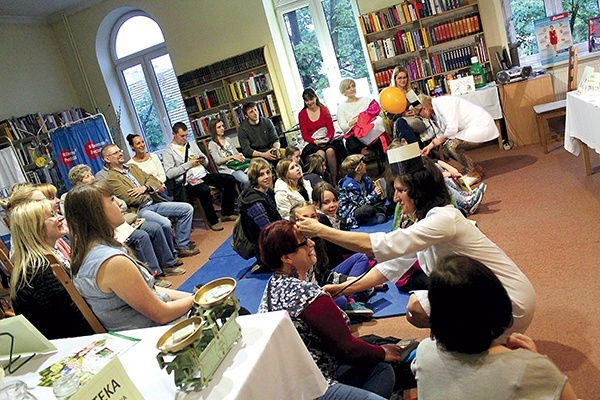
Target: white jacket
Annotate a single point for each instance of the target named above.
(286, 198)
(461, 119)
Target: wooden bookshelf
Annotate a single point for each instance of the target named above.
(431, 38)
(219, 91)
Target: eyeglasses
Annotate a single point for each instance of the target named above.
(303, 243)
(118, 151)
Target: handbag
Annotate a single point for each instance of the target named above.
(238, 165)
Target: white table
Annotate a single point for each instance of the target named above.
(488, 99)
(581, 127)
(270, 361)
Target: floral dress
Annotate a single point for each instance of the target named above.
(294, 296)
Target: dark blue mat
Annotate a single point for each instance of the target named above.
(233, 267)
(224, 250)
(249, 291)
(390, 303)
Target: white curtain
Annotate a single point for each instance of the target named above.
(11, 172)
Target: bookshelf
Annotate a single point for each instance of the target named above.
(29, 137)
(219, 91)
(431, 38)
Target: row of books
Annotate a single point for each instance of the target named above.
(252, 86)
(200, 125)
(221, 69)
(267, 108)
(17, 128)
(402, 13)
(410, 41)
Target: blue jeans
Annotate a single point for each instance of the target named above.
(339, 391)
(457, 195)
(161, 212)
(355, 265)
(379, 380)
(242, 178)
(162, 243)
(139, 241)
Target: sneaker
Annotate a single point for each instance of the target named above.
(380, 218)
(216, 227)
(162, 283)
(358, 310)
(482, 187)
(225, 218)
(178, 262)
(187, 252)
(364, 295)
(173, 271)
(474, 202)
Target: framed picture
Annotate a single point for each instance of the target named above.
(594, 34)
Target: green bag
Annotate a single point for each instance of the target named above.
(238, 165)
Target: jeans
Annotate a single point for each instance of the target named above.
(162, 243)
(161, 212)
(457, 195)
(355, 265)
(242, 178)
(403, 131)
(356, 383)
(139, 241)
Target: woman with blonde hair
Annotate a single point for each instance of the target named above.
(49, 191)
(407, 125)
(118, 288)
(291, 188)
(224, 153)
(35, 291)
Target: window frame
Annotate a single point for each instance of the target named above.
(552, 7)
(144, 59)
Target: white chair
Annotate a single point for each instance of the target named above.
(547, 111)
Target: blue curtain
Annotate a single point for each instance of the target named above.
(80, 143)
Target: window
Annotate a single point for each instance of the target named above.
(521, 14)
(323, 45)
(147, 78)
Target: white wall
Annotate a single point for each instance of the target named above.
(32, 74)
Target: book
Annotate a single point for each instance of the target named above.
(462, 183)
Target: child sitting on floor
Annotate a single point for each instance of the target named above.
(325, 198)
(360, 201)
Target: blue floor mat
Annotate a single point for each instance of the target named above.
(224, 250)
(249, 291)
(234, 267)
(390, 303)
(385, 227)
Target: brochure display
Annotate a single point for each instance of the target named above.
(553, 35)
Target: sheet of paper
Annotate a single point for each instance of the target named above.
(27, 339)
(111, 382)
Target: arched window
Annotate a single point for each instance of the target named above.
(147, 78)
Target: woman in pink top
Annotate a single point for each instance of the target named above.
(316, 126)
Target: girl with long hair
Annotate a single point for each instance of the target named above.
(291, 187)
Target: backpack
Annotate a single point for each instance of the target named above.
(240, 242)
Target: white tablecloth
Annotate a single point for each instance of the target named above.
(582, 122)
(270, 361)
(486, 98)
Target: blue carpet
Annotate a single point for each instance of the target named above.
(249, 291)
(390, 303)
(233, 267)
(385, 227)
(224, 250)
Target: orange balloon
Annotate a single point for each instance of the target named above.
(393, 100)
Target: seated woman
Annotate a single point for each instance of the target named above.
(352, 367)
(117, 287)
(291, 187)
(49, 191)
(316, 126)
(35, 291)
(148, 162)
(407, 125)
(470, 309)
(348, 114)
(224, 152)
(257, 203)
(439, 230)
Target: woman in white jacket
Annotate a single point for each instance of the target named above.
(461, 125)
(290, 188)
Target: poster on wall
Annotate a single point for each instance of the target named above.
(80, 143)
(593, 34)
(553, 35)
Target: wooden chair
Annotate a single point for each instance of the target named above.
(79, 301)
(547, 111)
(4, 260)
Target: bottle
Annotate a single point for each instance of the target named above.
(478, 73)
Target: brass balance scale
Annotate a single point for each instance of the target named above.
(194, 348)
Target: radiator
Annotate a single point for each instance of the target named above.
(559, 76)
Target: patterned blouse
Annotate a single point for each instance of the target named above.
(294, 296)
